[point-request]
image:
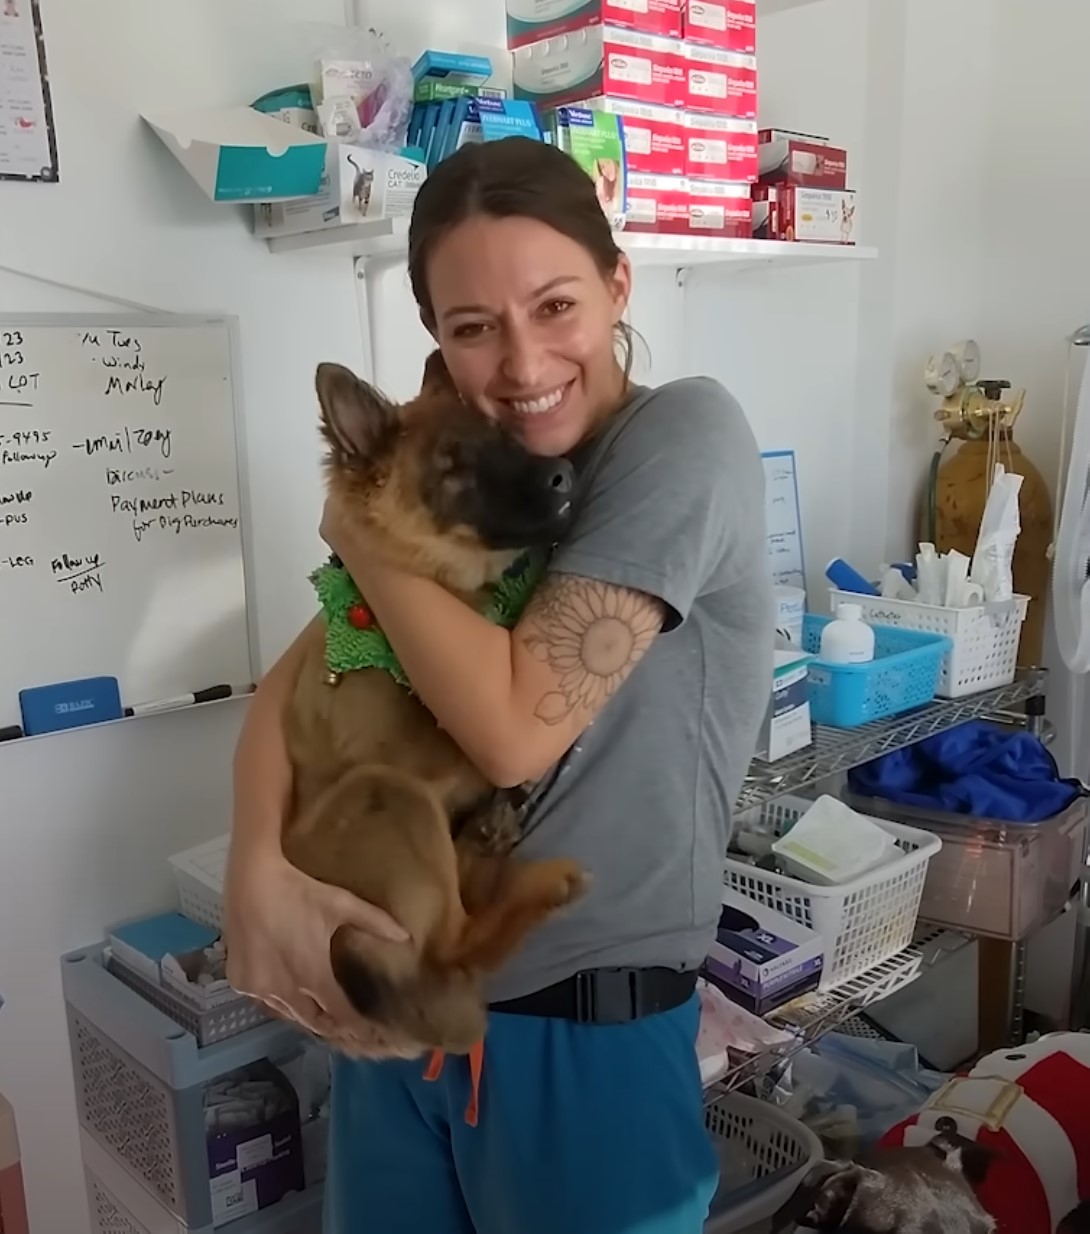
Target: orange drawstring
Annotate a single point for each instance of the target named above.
(476, 1069)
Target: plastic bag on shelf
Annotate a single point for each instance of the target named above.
(363, 91)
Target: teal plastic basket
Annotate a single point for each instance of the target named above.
(903, 674)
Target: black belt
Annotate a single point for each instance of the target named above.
(606, 996)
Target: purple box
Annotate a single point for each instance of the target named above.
(254, 1164)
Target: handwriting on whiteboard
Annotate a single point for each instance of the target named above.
(783, 520)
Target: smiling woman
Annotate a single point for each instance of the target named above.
(627, 699)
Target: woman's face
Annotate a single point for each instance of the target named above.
(525, 320)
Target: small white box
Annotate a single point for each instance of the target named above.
(786, 725)
(357, 184)
(237, 154)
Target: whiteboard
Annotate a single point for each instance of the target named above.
(121, 529)
(783, 519)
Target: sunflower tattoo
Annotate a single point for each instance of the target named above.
(591, 634)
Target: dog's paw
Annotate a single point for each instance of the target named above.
(572, 884)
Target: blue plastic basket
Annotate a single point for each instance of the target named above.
(903, 674)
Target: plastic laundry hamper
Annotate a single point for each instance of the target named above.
(764, 1154)
(864, 921)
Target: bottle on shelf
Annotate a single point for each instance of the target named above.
(848, 639)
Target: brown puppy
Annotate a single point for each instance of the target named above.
(926, 1190)
(380, 789)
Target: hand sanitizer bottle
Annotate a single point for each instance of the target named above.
(848, 639)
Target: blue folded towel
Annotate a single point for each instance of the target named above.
(980, 769)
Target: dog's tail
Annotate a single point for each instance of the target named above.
(420, 998)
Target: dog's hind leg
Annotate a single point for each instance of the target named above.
(522, 895)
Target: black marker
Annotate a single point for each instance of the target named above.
(12, 733)
(210, 694)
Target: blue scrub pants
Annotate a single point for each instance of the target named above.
(583, 1129)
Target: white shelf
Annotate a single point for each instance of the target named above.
(387, 240)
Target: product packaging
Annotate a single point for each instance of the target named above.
(720, 209)
(730, 25)
(786, 726)
(658, 204)
(790, 212)
(788, 160)
(720, 148)
(454, 68)
(601, 61)
(848, 639)
(721, 82)
(529, 21)
(654, 137)
(596, 140)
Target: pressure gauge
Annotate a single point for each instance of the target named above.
(943, 374)
(967, 354)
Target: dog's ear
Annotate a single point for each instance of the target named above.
(822, 1199)
(437, 377)
(968, 1157)
(355, 417)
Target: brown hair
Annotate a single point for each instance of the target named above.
(516, 177)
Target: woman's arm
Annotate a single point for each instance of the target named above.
(514, 701)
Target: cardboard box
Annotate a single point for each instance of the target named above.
(786, 134)
(760, 958)
(595, 139)
(238, 154)
(658, 204)
(654, 137)
(720, 148)
(358, 184)
(818, 216)
(601, 61)
(253, 1166)
(720, 210)
(453, 67)
(529, 21)
(788, 160)
(786, 726)
(730, 25)
(722, 82)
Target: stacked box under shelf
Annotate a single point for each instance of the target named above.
(140, 1079)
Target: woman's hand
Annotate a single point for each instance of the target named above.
(278, 923)
(336, 529)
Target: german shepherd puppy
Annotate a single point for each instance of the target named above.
(380, 790)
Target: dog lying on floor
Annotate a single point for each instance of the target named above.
(385, 804)
(923, 1190)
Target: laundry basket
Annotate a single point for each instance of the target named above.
(763, 1156)
(863, 921)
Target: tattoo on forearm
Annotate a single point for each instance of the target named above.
(591, 635)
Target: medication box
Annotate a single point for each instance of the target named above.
(654, 137)
(658, 204)
(601, 61)
(453, 67)
(791, 212)
(789, 160)
(723, 82)
(730, 25)
(720, 148)
(786, 726)
(595, 139)
(238, 154)
(720, 209)
(761, 959)
(528, 21)
(358, 184)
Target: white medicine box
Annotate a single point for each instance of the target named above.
(356, 185)
(237, 154)
(786, 726)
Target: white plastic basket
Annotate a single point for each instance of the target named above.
(198, 873)
(985, 637)
(764, 1154)
(864, 921)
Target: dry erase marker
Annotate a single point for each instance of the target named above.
(208, 695)
(11, 733)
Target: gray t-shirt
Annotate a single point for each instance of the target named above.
(671, 502)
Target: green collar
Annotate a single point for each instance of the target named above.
(354, 640)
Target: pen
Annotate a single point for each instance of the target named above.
(209, 694)
(11, 733)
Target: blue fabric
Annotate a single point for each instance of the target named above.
(980, 769)
(583, 1129)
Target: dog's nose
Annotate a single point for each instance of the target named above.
(562, 476)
